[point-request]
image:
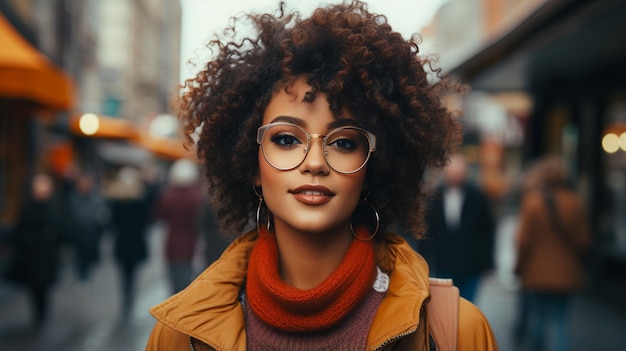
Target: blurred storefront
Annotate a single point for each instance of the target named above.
(569, 58)
(33, 91)
(101, 144)
(60, 59)
(105, 144)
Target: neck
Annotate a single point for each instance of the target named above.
(307, 259)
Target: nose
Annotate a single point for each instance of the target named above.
(315, 161)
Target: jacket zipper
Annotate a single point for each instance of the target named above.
(392, 339)
(385, 343)
(193, 341)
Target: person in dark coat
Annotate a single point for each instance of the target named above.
(131, 208)
(89, 214)
(37, 241)
(461, 230)
(215, 242)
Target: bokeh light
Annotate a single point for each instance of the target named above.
(89, 124)
(610, 143)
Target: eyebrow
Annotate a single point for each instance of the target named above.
(339, 122)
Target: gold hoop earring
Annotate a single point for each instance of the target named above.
(259, 194)
(376, 216)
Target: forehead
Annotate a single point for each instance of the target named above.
(291, 102)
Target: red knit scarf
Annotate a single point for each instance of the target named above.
(293, 310)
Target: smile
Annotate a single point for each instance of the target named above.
(312, 196)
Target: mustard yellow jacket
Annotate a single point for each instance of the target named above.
(208, 314)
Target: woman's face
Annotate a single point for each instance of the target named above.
(312, 197)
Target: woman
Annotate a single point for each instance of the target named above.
(320, 130)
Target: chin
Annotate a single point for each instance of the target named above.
(316, 227)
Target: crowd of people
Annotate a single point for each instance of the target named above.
(70, 215)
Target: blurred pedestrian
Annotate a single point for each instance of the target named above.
(131, 208)
(214, 241)
(88, 217)
(461, 230)
(37, 240)
(180, 207)
(552, 240)
(152, 181)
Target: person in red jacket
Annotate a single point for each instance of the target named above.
(314, 135)
(180, 207)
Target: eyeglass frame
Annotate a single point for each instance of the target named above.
(371, 139)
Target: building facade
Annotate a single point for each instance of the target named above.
(556, 68)
(122, 58)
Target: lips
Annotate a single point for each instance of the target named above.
(312, 194)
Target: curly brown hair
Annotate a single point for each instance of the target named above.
(356, 59)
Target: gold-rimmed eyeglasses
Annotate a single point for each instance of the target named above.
(285, 146)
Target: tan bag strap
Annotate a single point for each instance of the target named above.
(442, 312)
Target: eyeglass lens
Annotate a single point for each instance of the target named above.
(285, 146)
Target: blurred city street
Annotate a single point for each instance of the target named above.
(91, 320)
(87, 317)
(595, 324)
(88, 91)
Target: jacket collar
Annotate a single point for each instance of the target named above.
(400, 311)
(209, 308)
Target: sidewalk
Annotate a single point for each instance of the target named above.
(88, 318)
(595, 324)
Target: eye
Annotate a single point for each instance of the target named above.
(344, 144)
(345, 141)
(285, 139)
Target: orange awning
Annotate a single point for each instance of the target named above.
(99, 126)
(27, 74)
(169, 148)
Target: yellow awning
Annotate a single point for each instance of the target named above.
(27, 74)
